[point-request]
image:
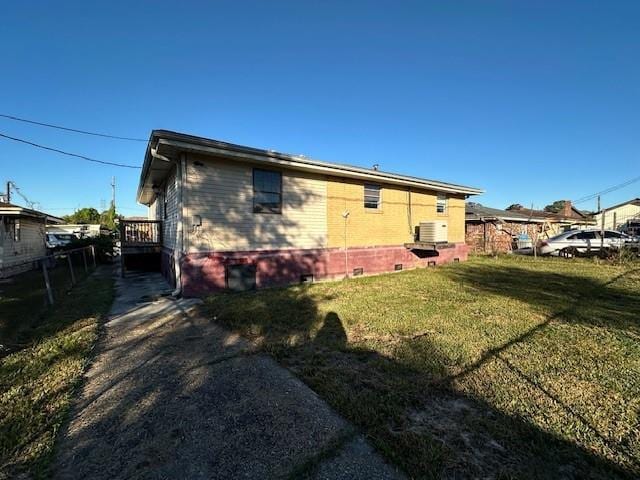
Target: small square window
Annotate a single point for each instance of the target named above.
(267, 191)
(398, 267)
(240, 277)
(441, 204)
(306, 278)
(358, 271)
(372, 196)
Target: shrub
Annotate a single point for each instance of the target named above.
(104, 246)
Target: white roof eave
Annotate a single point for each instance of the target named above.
(317, 167)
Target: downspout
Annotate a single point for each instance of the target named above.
(177, 249)
(410, 213)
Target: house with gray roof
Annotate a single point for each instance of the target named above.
(491, 230)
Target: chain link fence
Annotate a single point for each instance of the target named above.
(49, 277)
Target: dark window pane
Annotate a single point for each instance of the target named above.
(265, 197)
(371, 195)
(267, 191)
(587, 236)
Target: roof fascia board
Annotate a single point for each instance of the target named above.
(24, 212)
(297, 164)
(507, 219)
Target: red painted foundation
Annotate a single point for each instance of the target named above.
(204, 273)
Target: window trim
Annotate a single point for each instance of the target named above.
(377, 186)
(165, 205)
(445, 210)
(15, 230)
(255, 206)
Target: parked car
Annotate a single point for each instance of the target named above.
(576, 242)
(632, 228)
(58, 240)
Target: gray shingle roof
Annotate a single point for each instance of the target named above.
(473, 211)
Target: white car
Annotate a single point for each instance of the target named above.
(576, 242)
(57, 240)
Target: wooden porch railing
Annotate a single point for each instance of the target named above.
(140, 233)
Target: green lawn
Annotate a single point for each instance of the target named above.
(38, 379)
(508, 367)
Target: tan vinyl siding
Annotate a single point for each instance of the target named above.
(617, 217)
(154, 213)
(170, 217)
(220, 192)
(30, 246)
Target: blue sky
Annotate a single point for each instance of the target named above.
(532, 101)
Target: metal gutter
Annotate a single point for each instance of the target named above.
(214, 147)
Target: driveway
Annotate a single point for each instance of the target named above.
(172, 395)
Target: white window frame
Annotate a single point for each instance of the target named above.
(258, 205)
(442, 202)
(16, 231)
(372, 186)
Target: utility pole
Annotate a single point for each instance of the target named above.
(535, 239)
(9, 191)
(598, 203)
(602, 232)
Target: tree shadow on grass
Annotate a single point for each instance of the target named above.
(162, 388)
(418, 418)
(570, 298)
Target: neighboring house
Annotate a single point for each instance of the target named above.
(235, 216)
(490, 230)
(619, 216)
(79, 230)
(554, 223)
(22, 237)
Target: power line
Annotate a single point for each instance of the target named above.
(607, 190)
(12, 185)
(89, 159)
(140, 209)
(84, 132)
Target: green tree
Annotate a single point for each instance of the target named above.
(83, 216)
(515, 206)
(108, 218)
(555, 207)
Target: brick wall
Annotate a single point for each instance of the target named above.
(393, 223)
(494, 237)
(203, 273)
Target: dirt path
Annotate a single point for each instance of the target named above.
(171, 395)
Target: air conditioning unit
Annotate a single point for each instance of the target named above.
(433, 232)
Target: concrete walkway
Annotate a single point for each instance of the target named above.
(172, 395)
